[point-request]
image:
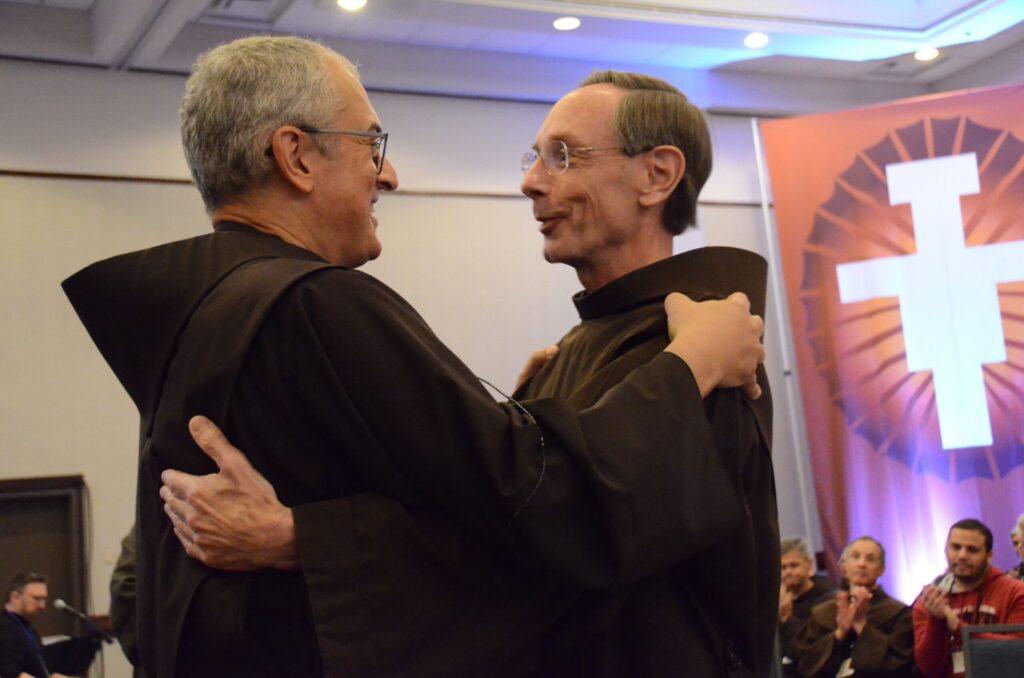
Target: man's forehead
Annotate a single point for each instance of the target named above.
(582, 112)
(864, 546)
(354, 101)
(968, 537)
(795, 555)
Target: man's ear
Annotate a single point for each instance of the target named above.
(664, 167)
(290, 156)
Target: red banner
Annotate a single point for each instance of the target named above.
(901, 231)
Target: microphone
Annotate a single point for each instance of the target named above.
(61, 605)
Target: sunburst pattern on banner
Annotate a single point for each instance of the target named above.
(858, 348)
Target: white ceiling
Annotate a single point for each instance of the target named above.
(508, 48)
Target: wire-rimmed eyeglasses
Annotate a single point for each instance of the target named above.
(555, 155)
(378, 142)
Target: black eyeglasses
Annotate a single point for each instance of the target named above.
(378, 142)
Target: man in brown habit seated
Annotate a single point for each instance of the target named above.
(614, 173)
(433, 530)
(862, 631)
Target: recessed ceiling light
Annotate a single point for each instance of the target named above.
(926, 54)
(755, 40)
(351, 5)
(566, 23)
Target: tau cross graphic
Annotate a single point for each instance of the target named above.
(947, 292)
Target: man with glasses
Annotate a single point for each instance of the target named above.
(21, 650)
(336, 387)
(614, 174)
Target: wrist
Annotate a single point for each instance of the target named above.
(701, 366)
(281, 548)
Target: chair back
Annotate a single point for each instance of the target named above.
(993, 657)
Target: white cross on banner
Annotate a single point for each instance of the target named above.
(901, 238)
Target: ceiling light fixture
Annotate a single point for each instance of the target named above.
(926, 54)
(351, 5)
(566, 23)
(756, 40)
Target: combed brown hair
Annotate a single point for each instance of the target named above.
(21, 579)
(654, 113)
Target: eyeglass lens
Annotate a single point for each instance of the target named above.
(554, 154)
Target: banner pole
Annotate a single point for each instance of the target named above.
(801, 456)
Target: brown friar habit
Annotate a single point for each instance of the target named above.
(710, 612)
(714, 614)
(334, 386)
(885, 649)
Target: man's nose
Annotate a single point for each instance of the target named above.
(387, 180)
(535, 181)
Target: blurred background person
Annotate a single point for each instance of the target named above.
(1017, 540)
(801, 590)
(973, 591)
(21, 649)
(861, 632)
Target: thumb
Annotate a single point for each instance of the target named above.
(212, 442)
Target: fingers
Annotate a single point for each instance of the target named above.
(751, 388)
(537, 360)
(211, 440)
(741, 299)
(676, 302)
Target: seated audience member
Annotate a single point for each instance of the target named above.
(21, 650)
(973, 591)
(1017, 540)
(800, 592)
(862, 631)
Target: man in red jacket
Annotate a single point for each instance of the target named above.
(972, 592)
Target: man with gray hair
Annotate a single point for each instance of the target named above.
(614, 174)
(336, 387)
(862, 631)
(1017, 542)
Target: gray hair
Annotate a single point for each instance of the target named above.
(238, 94)
(881, 549)
(798, 544)
(654, 113)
